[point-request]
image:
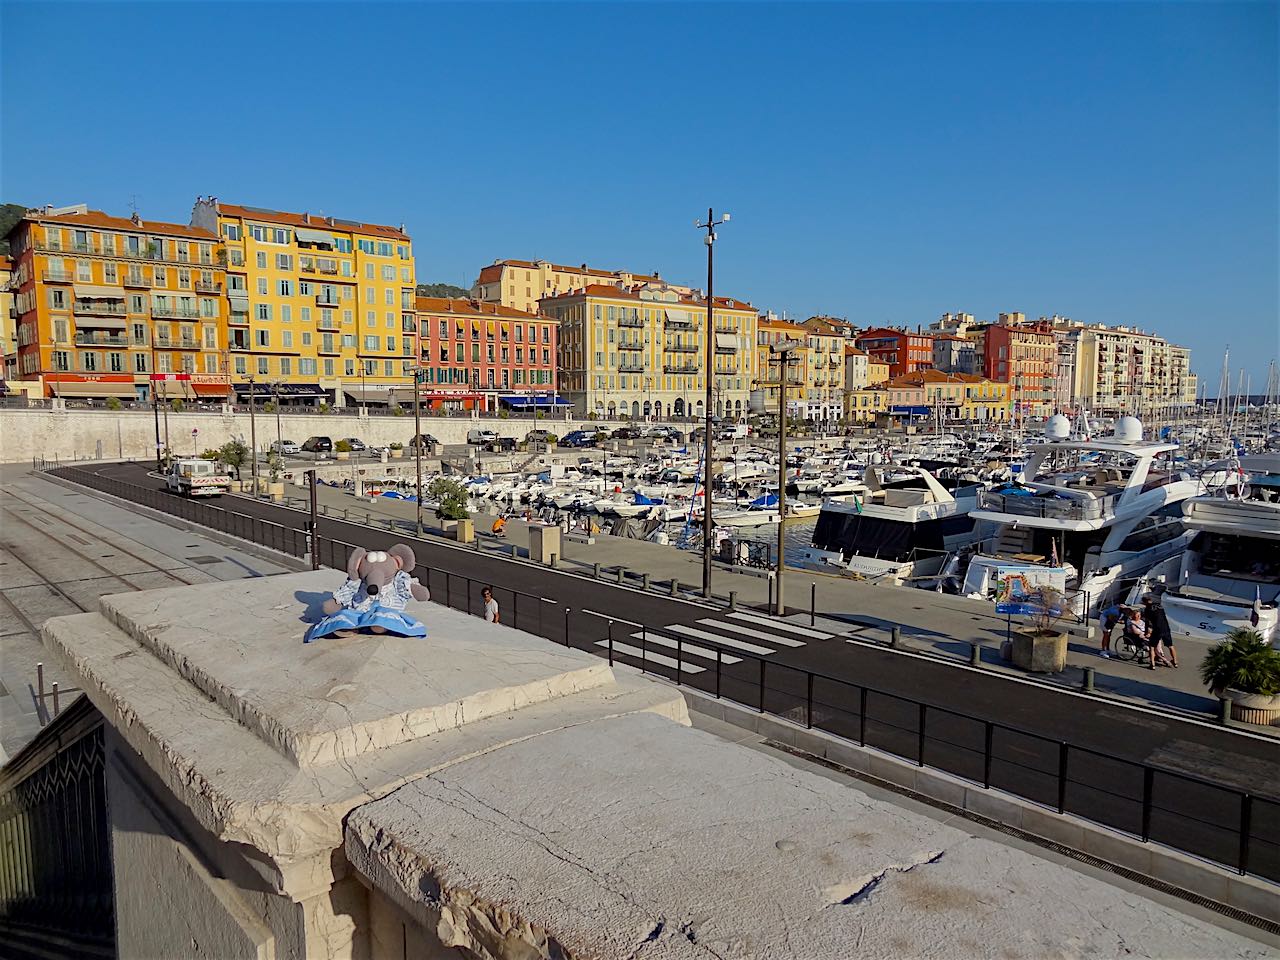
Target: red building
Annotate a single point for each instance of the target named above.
(1025, 356)
(485, 356)
(905, 352)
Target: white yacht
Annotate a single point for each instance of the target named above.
(1230, 574)
(1090, 516)
(899, 530)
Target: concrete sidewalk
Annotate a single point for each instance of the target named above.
(935, 624)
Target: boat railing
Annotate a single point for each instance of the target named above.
(1054, 508)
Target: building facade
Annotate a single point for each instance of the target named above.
(864, 404)
(771, 330)
(520, 284)
(824, 376)
(319, 308)
(1119, 370)
(954, 354)
(903, 351)
(8, 323)
(855, 368)
(485, 356)
(108, 306)
(1025, 356)
(640, 350)
(951, 396)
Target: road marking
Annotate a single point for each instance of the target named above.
(717, 638)
(650, 656)
(692, 648)
(758, 634)
(783, 625)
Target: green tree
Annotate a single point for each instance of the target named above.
(10, 214)
(452, 495)
(1243, 661)
(442, 290)
(234, 453)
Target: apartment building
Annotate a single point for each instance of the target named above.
(1119, 370)
(106, 306)
(866, 403)
(903, 351)
(8, 323)
(520, 284)
(484, 356)
(320, 308)
(824, 373)
(953, 396)
(954, 354)
(1023, 355)
(640, 350)
(855, 368)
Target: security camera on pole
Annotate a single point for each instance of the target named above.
(709, 374)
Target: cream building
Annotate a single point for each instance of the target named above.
(639, 351)
(1117, 370)
(855, 368)
(8, 323)
(520, 284)
(824, 380)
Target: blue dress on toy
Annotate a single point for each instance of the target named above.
(360, 611)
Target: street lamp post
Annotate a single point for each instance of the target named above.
(784, 352)
(709, 373)
(253, 434)
(275, 389)
(417, 443)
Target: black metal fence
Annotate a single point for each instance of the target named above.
(1239, 829)
(55, 844)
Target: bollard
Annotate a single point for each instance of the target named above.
(40, 687)
(975, 655)
(733, 600)
(56, 708)
(475, 544)
(1224, 709)
(644, 581)
(813, 603)
(895, 636)
(595, 571)
(622, 574)
(345, 511)
(553, 561)
(1086, 683)
(675, 587)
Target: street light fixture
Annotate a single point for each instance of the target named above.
(709, 373)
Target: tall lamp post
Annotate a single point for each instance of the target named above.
(253, 434)
(709, 373)
(784, 351)
(417, 443)
(275, 389)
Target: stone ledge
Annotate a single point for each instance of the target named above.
(240, 643)
(1197, 877)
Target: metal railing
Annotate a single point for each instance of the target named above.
(1057, 508)
(1236, 828)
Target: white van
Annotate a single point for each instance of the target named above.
(478, 438)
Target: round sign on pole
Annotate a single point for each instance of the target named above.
(194, 431)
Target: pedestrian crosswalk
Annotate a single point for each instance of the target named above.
(696, 646)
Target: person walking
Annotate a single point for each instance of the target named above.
(1162, 650)
(490, 605)
(1107, 621)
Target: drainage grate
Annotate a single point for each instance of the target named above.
(1221, 908)
(204, 559)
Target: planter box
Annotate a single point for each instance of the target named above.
(1255, 708)
(464, 531)
(276, 489)
(342, 455)
(396, 454)
(1040, 653)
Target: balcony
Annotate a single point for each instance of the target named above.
(630, 366)
(679, 368)
(208, 287)
(307, 268)
(100, 340)
(723, 351)
(330, 272)
(683, 348)
(99, 308)
(331, 325)
(136, 280)
(330, 350)
(238, 319)
(327, 300)
(183, 344)
(1046, 507)
(631, 322)
(679, 324)
(629, 345)
(57, 276)
(239, 347)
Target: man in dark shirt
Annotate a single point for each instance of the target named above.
(1161, 638)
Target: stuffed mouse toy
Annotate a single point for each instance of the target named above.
(374, 597)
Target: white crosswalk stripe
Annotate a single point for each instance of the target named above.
(776, 638)
(650, 656)
(720, 639)
(783, 625)
(693, 648)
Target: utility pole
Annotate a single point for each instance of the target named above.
(709, 373)
(783, 351)
(417, 442)
(253, 435)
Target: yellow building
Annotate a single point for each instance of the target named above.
(640, 351)
(769, 331)
(105, 304)
(321, 306)
(8, 323)
(824, 379)
(520, 284)
(863, 404)
(877, 372)
(958, 396)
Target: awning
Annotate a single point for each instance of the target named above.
(910, 411)
(289, 391)
(81, 387)
(305, 235)
(210, 389)
(239, 301)
(726, 340)
(526, 400)
(85, 291)
(99, 323)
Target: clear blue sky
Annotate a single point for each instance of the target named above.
(882, 161)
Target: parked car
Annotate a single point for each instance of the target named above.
(538, 436)
(427, 440)
(318, 445)
(284, 446)
(356, 444)
(625, 433)
(480, 437)
(579, 438)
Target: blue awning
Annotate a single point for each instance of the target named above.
(525, 400)
(910, 411)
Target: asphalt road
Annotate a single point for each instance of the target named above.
(719, 650)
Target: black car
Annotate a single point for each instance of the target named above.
(579, 438)
(426, 439)
(625, 433)
(318, 445)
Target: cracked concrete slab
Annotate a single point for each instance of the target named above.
(633, 840)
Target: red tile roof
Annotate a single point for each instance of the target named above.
(493, 271)
(459, 307)
(315, 222)
(96, 219)
(612, 292)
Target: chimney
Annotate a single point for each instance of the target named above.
(306, 218)
(135, 219)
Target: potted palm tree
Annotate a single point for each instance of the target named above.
(1245, 669)
(275, 468)
(342, 450)
(396, 449)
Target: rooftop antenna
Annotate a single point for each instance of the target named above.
(133, 204)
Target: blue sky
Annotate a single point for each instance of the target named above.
(882, 161)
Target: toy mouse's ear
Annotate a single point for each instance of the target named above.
(402, 553)
(353, 563)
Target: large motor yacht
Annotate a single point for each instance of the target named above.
(1230, 574)
(900, 530)
(1090, 518)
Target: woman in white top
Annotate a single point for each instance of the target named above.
(490, 605)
